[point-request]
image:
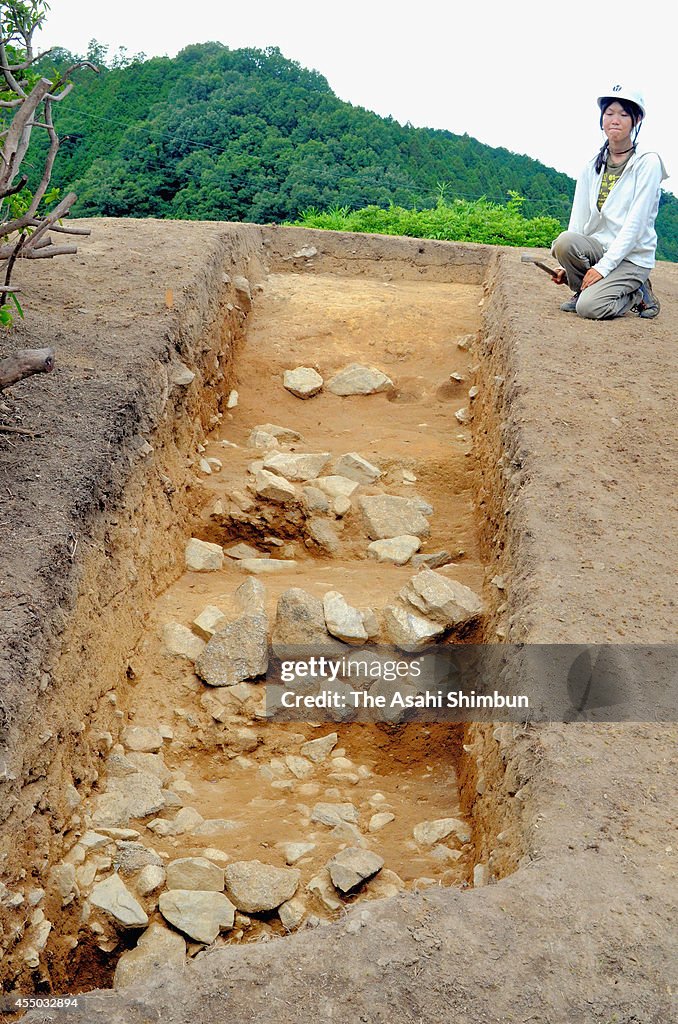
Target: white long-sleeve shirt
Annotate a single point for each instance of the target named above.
(625, 224)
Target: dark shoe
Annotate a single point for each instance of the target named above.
(571, 305)
(648, 307)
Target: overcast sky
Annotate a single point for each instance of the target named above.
(524, 75)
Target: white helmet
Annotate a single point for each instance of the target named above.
(620, 92)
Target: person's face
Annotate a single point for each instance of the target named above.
(617, 124)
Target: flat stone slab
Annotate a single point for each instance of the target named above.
(332, 814)
(303, 381)
(273, 486)
(114, 898)
(351, 867)
(396, 550)
(442, 599)
(255, 887)
(299, 466)
(200, 915)
(410, 631)
(357, 379)
(143, 738)
(388, 515)
(180, 641)
(427, 833)
(336, 486)
(262, 566)
(285, 435)
(355, 467)
(203, 556)
(195, 873)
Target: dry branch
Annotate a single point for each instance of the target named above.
(24, 363)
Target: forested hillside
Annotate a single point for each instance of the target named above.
(248, 135)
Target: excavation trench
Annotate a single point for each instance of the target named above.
(236, 787)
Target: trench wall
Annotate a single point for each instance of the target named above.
(127, 495)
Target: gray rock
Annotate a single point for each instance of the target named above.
(244, 551)
(355, 467)
(426, 833)
(336, 486)
(114, 898)
(213, 827)
(295, 851)
(321, 887)
(300, 466)
(110, 809)
(142, 737)
(202, 556)
(387, 515)
(319, 750)
(142, 793)
(291, 914)
(356, 379)
(324, 535)
(342, 620)
(300, 767)
(207, 624)
(195, 873)
(262, 440)
(315, 500)
(299, 620)
(397, 550)
(409, 631)
(431, 560)
(150, 879)
(237, 652)
(150, 764)
(255, 887)
(334, 814)
(444, 600)
(157, 948)
(180, 641)
(302, 382)
(200, 915)
(370, 622)
(380, 820)
(265, 566)
(251, 595)
(273, 487)
(131, 857)
(351, 867)
(285, 435)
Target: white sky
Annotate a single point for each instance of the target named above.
(523, 75)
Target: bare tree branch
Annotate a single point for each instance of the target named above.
(24, 363)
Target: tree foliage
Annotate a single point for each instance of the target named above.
(248, 135)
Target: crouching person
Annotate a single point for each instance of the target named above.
(608, 251)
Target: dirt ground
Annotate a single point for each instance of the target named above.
(573, 500)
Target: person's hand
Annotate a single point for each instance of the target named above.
(591, 277)
(559, 277)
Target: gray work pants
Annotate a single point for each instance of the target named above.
(612, 296)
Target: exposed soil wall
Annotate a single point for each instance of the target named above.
(568, 936)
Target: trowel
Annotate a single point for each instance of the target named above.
(527, 258)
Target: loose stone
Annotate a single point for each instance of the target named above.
(444, 600)
(142, 737)
(300, 466)
(334, 814)
(387, 515)
(202, 556)
(319, 749)
(303, 382)
(342, 620)
(180, 641)
(114, 898)
(195, 873)
(200, 915)
(255, 887)
(351, 867)
(158, 947)
(356, 379)
(397, 550)
(355, 467)
(426, 833)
